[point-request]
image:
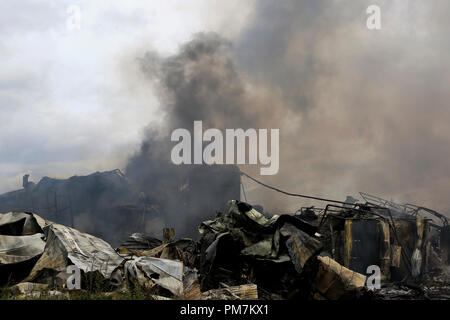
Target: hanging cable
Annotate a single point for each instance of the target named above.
(293, 194)
(243, 191)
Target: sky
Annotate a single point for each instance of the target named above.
(65, 106)
(358, 109)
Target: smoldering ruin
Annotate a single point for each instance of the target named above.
(198, 83)
(313, 254)
(108, 205)
(190, 232)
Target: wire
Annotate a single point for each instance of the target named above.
(293, 194)
(243, 190)
(391, 222)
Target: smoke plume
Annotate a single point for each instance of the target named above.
(358, 110)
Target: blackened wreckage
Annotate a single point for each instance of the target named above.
(240, 253)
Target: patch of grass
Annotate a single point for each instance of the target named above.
(95, 289)
(135, 292)
(4, 293)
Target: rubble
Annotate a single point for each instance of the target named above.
(21, 244)
(243, 246)
(65, 246)
(16, 249)
(28, 288)
(111, 205)
(242, 292)
(139, 241)
(150, 272)
(73, 202)
(315, 254)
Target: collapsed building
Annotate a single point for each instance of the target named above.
(328, 252)
(91, 203)
(238, 253)
(243, 254)
(401, 239)
(111, 206)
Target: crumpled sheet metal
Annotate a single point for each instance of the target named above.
(235, 207)
(166, 250)
(243, 245)
(14, 249)
(20, 224)
(60, 246)
(267, 248)
(333, 280)
(138, 241)
(21, 237)
(166, 273)
(238, 214)
(259, 235)
(191, 284)
(66, 246)
(300, 245)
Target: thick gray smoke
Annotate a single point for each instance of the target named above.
(199, 83)
(368, 109)
(358, 110)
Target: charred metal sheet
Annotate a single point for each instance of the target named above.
(139, 241)
(367, 244)
(20, 224)
(163, 272)
(335, 281)
(301, 246)
(21, 244)
(66, 246)
(14, 249)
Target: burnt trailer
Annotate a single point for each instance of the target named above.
(403, 242)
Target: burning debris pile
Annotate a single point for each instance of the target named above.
(280, 255)
(242, 254)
